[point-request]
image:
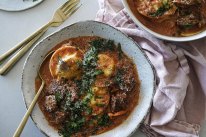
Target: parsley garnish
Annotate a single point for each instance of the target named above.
(161, 10)
(90, 61)
(78, 109)
(104, 120)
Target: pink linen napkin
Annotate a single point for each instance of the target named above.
(179, 102)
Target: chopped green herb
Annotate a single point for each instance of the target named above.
(120, 52)
(87, 98)
(188, 26)
(68, 102)
(164, 8)
(88, 78)
(79, 108)
(90, 61)
(104, 120)
(88, 111)
(103, 45)
(100, 105)
(72, 126)
(118, 77)
(58, 96)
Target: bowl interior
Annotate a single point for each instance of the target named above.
(89, 28)
(169, 38)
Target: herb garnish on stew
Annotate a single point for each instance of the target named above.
(95, 99)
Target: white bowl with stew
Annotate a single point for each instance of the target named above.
(129, 47)
(144, 21)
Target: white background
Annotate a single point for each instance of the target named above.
(15, 27)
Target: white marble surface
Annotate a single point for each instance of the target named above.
(14, 27)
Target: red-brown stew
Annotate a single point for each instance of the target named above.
(171, 17)
(91, 86)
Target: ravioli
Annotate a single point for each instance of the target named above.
(64, 63)
(175, 18)
(106, 64)
(100, 100)
(83, 92)
(156, 8)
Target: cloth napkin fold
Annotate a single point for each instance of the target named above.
(179, 102)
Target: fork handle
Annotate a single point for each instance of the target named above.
(12, 50)
(27, 114)
(9, 64)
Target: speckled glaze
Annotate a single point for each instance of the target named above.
(169, 38)
(90, 28)
(18, 5)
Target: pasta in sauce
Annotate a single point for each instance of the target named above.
(177, 18)
(91, 86)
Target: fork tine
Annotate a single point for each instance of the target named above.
(70, 5)
(67, 4)
(70, 9)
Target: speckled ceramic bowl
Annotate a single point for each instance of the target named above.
(90, 28)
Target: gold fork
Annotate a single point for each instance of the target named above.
(62, 13)
(31, 106)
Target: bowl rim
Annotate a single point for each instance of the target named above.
(49, 36)
(160, 36)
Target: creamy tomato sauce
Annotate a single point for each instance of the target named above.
(178, 19)
(120, 89)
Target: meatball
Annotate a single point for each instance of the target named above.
(125, 75)
(119, 102)
(56, 85)
(73, 89)
(190, 19)
(186, 3)
(62, 87)
(50, 103)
